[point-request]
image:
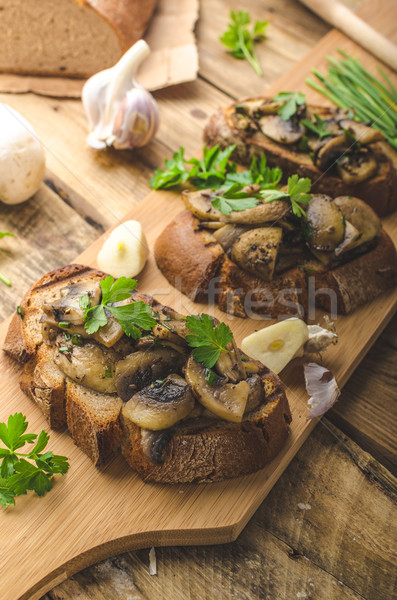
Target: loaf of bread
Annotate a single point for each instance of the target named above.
(244, 124)
(241, 267)
(72, 38)
(97, 404)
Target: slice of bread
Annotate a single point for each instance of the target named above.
(72, 38)
(192, 260)
(201, 447)
(379, 191)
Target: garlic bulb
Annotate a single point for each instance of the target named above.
(322, 388)
(121, 113)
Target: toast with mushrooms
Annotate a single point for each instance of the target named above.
(173, 419)
(266, 261)
(341, 156)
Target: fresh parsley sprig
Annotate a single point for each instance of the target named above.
(3, 278)
(20, 472)
(320, 127)
(240, 39)
(130, 316)
(234, 198)
(297, 191)
(291, 102)
(207, 340)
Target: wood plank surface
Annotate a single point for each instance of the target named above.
(85, 175)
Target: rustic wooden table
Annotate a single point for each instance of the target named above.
(326, 529)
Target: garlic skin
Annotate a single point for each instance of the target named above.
(319, 339)
(120, 112)
(22, 159)
(136, 121)
(322, 388)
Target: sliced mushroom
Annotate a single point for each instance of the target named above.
(357, 167)
(67, 307)
(226, 400)
(142, 368)
(256, 394)
(284, 132)
(108, 335)
(328, 153)
(254, 107)
(326, 223)
(229, 364)
(364, 134)
(90, 365)
(350, 241)
(361, 216)
(160, 405)
(256, 251)
(199, 204)
(228, 234)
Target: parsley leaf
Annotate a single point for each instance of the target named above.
(258, 173)
(297, 192)
(240, 40)
(234, 198)
(291, 102)
(319, 127)
(207, 340)
(129, 316)
(20, 472)
(174, 174)
(4, 233)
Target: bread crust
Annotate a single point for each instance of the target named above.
(379, 191)
(183, 248)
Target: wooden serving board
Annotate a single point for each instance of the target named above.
(91, 514)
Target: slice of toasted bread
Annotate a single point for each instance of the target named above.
(379, 191)
(207, 449)
(93, 420)
(339, 290)
(25, 333)
(45, 384)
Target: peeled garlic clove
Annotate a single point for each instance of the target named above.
(120, 112)
(136, 121)
(322, 388)
(276, 345)
(125, 252)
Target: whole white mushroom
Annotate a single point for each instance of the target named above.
(22, 160)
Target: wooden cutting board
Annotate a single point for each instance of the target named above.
(91, 514)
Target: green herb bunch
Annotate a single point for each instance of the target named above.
(33, 470)
(241, 40)
(350, 86)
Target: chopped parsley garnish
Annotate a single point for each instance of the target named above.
(64, 349)
(130, 316)
(108, 372)
(292, 101)
(20, 311)
(64, 324)
(297, 193)
(210, 376)
(319, 127)
(207, 340)
(20, 472)
(77, 339)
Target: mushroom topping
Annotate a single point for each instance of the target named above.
(160, 405)
(350, 241)
(361, 132)
(256, 394)
(108, 335)
(230, 365)
(284, 132)
(154, 444)
(141, 368)
(226, 400)
(228, 234)
(67, 307)
(357, 167)
(256, 251)
(361, 216)
(326, 223)
(199, 204)
(90, 365)
(327, 154)
(260, 106)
